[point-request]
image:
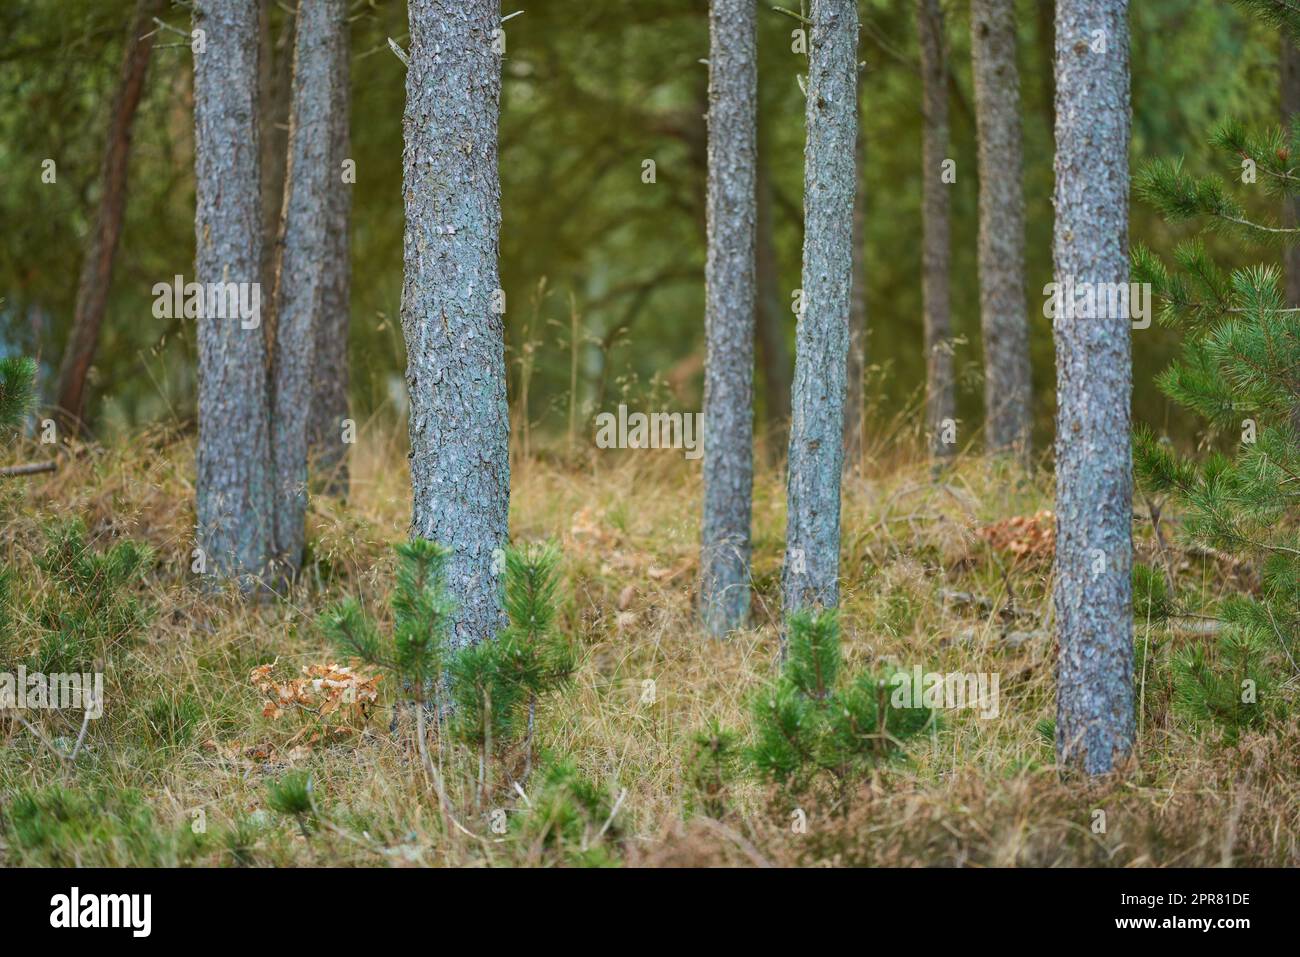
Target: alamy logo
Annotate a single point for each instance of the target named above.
(103, 910)
(655, 430)
(1099, 300)
(956, 690)
(24, 690)
(213, 300)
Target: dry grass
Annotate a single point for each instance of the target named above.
(980, 792)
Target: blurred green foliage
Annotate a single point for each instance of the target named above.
(589, 92)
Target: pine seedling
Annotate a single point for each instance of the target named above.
(291, 796)
(814, 721)
(712, 767)
(415, 651)
(90, 607)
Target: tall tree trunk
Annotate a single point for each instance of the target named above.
(330, 388)
(1003, 310)
(770, 318)
(455, 366)
(810, 575)
(729, 317)
(300, 268)
(274, 95)
(101, 246)
(855, 397)
(1289, 61)
(1094, 477)
(233, 490)
(940, 404)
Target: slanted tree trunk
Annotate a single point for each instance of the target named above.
(101, 246)
(1094, 478)
(729, 317)
(455, 347)
(855, 397)
(330, 388)
(300, 268)
(810, 575)
(1003, 311)
(233, 489)
(940, 403)
(770, 318)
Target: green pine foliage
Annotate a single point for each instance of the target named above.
(711, 769)
(814, 723)
(571, 817)
(92, 603)
(489, 690)
(1239, 370)
(84, 605)
(17, 392)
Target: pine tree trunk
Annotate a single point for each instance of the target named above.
(1003, 310)
(455, 372)
(770, 318)
(233, 489)
(101, 247)
(810, 575)
(299, 271)
(274, 95)
(729, 317)
(935, 297)
(330, 388)
(1094, 480)
(854, 399)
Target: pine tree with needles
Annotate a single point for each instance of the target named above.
(17, 393)
(1239, 371)
(815, 723)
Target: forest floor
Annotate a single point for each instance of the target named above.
(177, 769)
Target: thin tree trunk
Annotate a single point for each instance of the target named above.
(770, 318)
(330, 404)
(1003, 310)
(1094, 478)
(233, 489)
(810, 575)
(299, 271)
(855, 397)
(275, 96)
(101, 246)
(1289, 61)
(455, 371)
(935, 296)
(729, 317)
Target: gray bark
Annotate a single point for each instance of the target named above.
(455, 367)
(233, 488)
(1094, 481)
(299, 272)
(330, 386)
(729, 317)
(810, 574)
(770, 318)
(857, 362)
(935, 295)
(1289, 61)
(1003, 318)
